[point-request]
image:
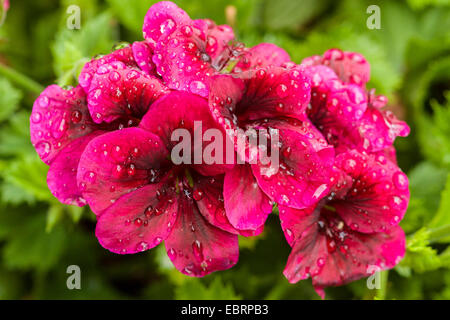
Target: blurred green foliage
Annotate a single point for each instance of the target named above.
(40, 238)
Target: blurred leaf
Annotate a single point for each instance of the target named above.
(30, 246)
(424, 201)
(15, 136)
(9, 98)
(419, 256)
(72, 48)
(29, 173)
(193, 289)
(132, 14)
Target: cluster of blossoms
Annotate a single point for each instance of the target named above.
(339, 191)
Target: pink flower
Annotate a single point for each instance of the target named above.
(349, 116)
(268, 99)
(64, 121)
(142, 198)
(352, 230)
(186, 52)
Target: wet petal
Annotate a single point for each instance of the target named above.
(189, 113)
(139, 220)
(262, 55)
(379, 128)
(378, 196)
(58, 118)
(124, 55)
(208, 193)
(120, 91)
(246, 205)
(196, 247)
(267, 93)
(190, 56)
(161, 20)
(303, 175)
(365, 254)
(117, 163)
(62, 175)
(309, 247)
(143, 53)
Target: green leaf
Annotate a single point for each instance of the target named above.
(424, 202)
(419, 256)
(29, 173)
(442, 216)
(132, 14)
(30, 246)
(72, 48)
(194, 289)
(9, 99)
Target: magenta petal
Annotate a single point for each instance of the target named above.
(262, 55)
(138, 221)
(378, 129)
(118, 91)
(143, 53)
(197, 248)
(182, 110)
(365, 254)
(62, 175)
(208, 192)
(378, 196)
(257, 95)
(351, 67)
(58, 118)
(124, 55)
(305, 162)
(191, 54)
(117, 163)
(161, 20)
(309, 247)
(246, 205)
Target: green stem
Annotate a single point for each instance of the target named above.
(439, 233)
(20, 79)
(381, 293)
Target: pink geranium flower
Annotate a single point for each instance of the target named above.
(354, 229)
(64, 121)
(348, 115)
(268, 99)
(186, 52)
(142, 198)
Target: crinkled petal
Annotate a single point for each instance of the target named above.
(139, 220)
(351, 67)
(62, 175)
(262, 55)
(378, 196)
(118, 91)
(190, 56)
(117, 163)
(124, 55)
(196, 247)
(302, 176)
(208, 193)
(143, 53)
(379, 128)
(267, 93)
(58, 118)
(190, 114)
(365, 254)
(162, 19)
(309, 247)
(246, 205)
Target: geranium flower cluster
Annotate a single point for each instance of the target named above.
(339, 191)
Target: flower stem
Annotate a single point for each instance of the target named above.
(20, 79)
(439, 233)
(381, 293)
